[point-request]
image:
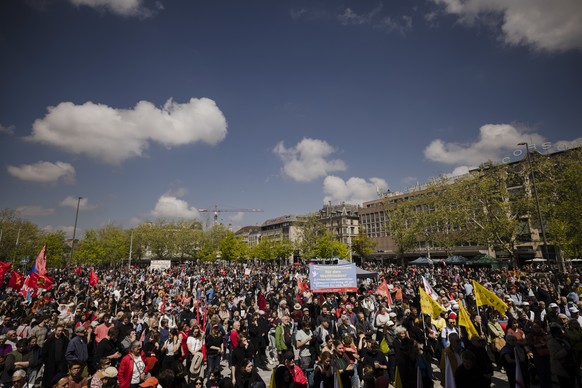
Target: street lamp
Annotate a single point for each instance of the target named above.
(535, 190)
(75, 228)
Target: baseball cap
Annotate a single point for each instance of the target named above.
(553, 305)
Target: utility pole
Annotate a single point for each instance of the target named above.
(75, 228)
(130, 249)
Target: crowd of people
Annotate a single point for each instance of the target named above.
(218, 325)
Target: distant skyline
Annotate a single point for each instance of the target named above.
(156, 109)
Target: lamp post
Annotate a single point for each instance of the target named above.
(75, 228)
(130, 250)
(535, 190)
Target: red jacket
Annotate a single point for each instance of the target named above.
(126, 369)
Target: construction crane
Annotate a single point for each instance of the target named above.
(216, 210)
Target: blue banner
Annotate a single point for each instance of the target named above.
(333, 278)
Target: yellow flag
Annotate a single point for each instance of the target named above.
(428, 305)
(465, 321)
(397, 380)
(485, 297)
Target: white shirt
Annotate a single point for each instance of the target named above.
(194, 344)
(138, 368)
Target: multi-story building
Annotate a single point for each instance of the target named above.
(342, 221)
(281, 228)
(249, 234)
(528, 242)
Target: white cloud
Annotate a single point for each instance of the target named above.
(83, 203)
(458, 171)
(44, 172)
(34, 211)
(493, 143)
(119, 7)
(170, 206)
(114, 135)
(7, 130)
(349, 17)
(307, 161)
(401, 25)
(238, 217)
(68, 230)
(354, 190)
(544, 25)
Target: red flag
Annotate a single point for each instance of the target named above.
(301, 286)
(4, 268)
(93, 278)
(40, 263)
(383, 290)
(16, 280)
(78, 271)
(35, 281)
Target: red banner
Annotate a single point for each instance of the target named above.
(93, 278)
(35, 280)
(16, 280)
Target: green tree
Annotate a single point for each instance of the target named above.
(559, 183)
(20, 238)
(232, 248)
(402, 225)
(209, 247)
(55, 244)
(310, 230)
(492, 206)
(107, 245)
(362, 245)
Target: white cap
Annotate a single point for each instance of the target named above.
(573, 309)
(525, 304)
(389, 323)
(553, 305)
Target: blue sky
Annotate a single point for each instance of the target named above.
(155, 109)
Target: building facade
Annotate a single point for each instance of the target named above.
(341, 221)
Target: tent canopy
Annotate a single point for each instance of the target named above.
(455, 260)
(483, 260)
(420, 261)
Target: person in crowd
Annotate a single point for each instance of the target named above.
(107, 348)
(496, 337)
(195, 342)
(453, 353)
(132, 368)
(342, 364)
(323, 372)
(214, 349)
(247, 375)
(287, 373)
(512, 354)
(53, 355)
(76, 378)
(469, 373)
(562, 357)
(77, 348)
(97, 378)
